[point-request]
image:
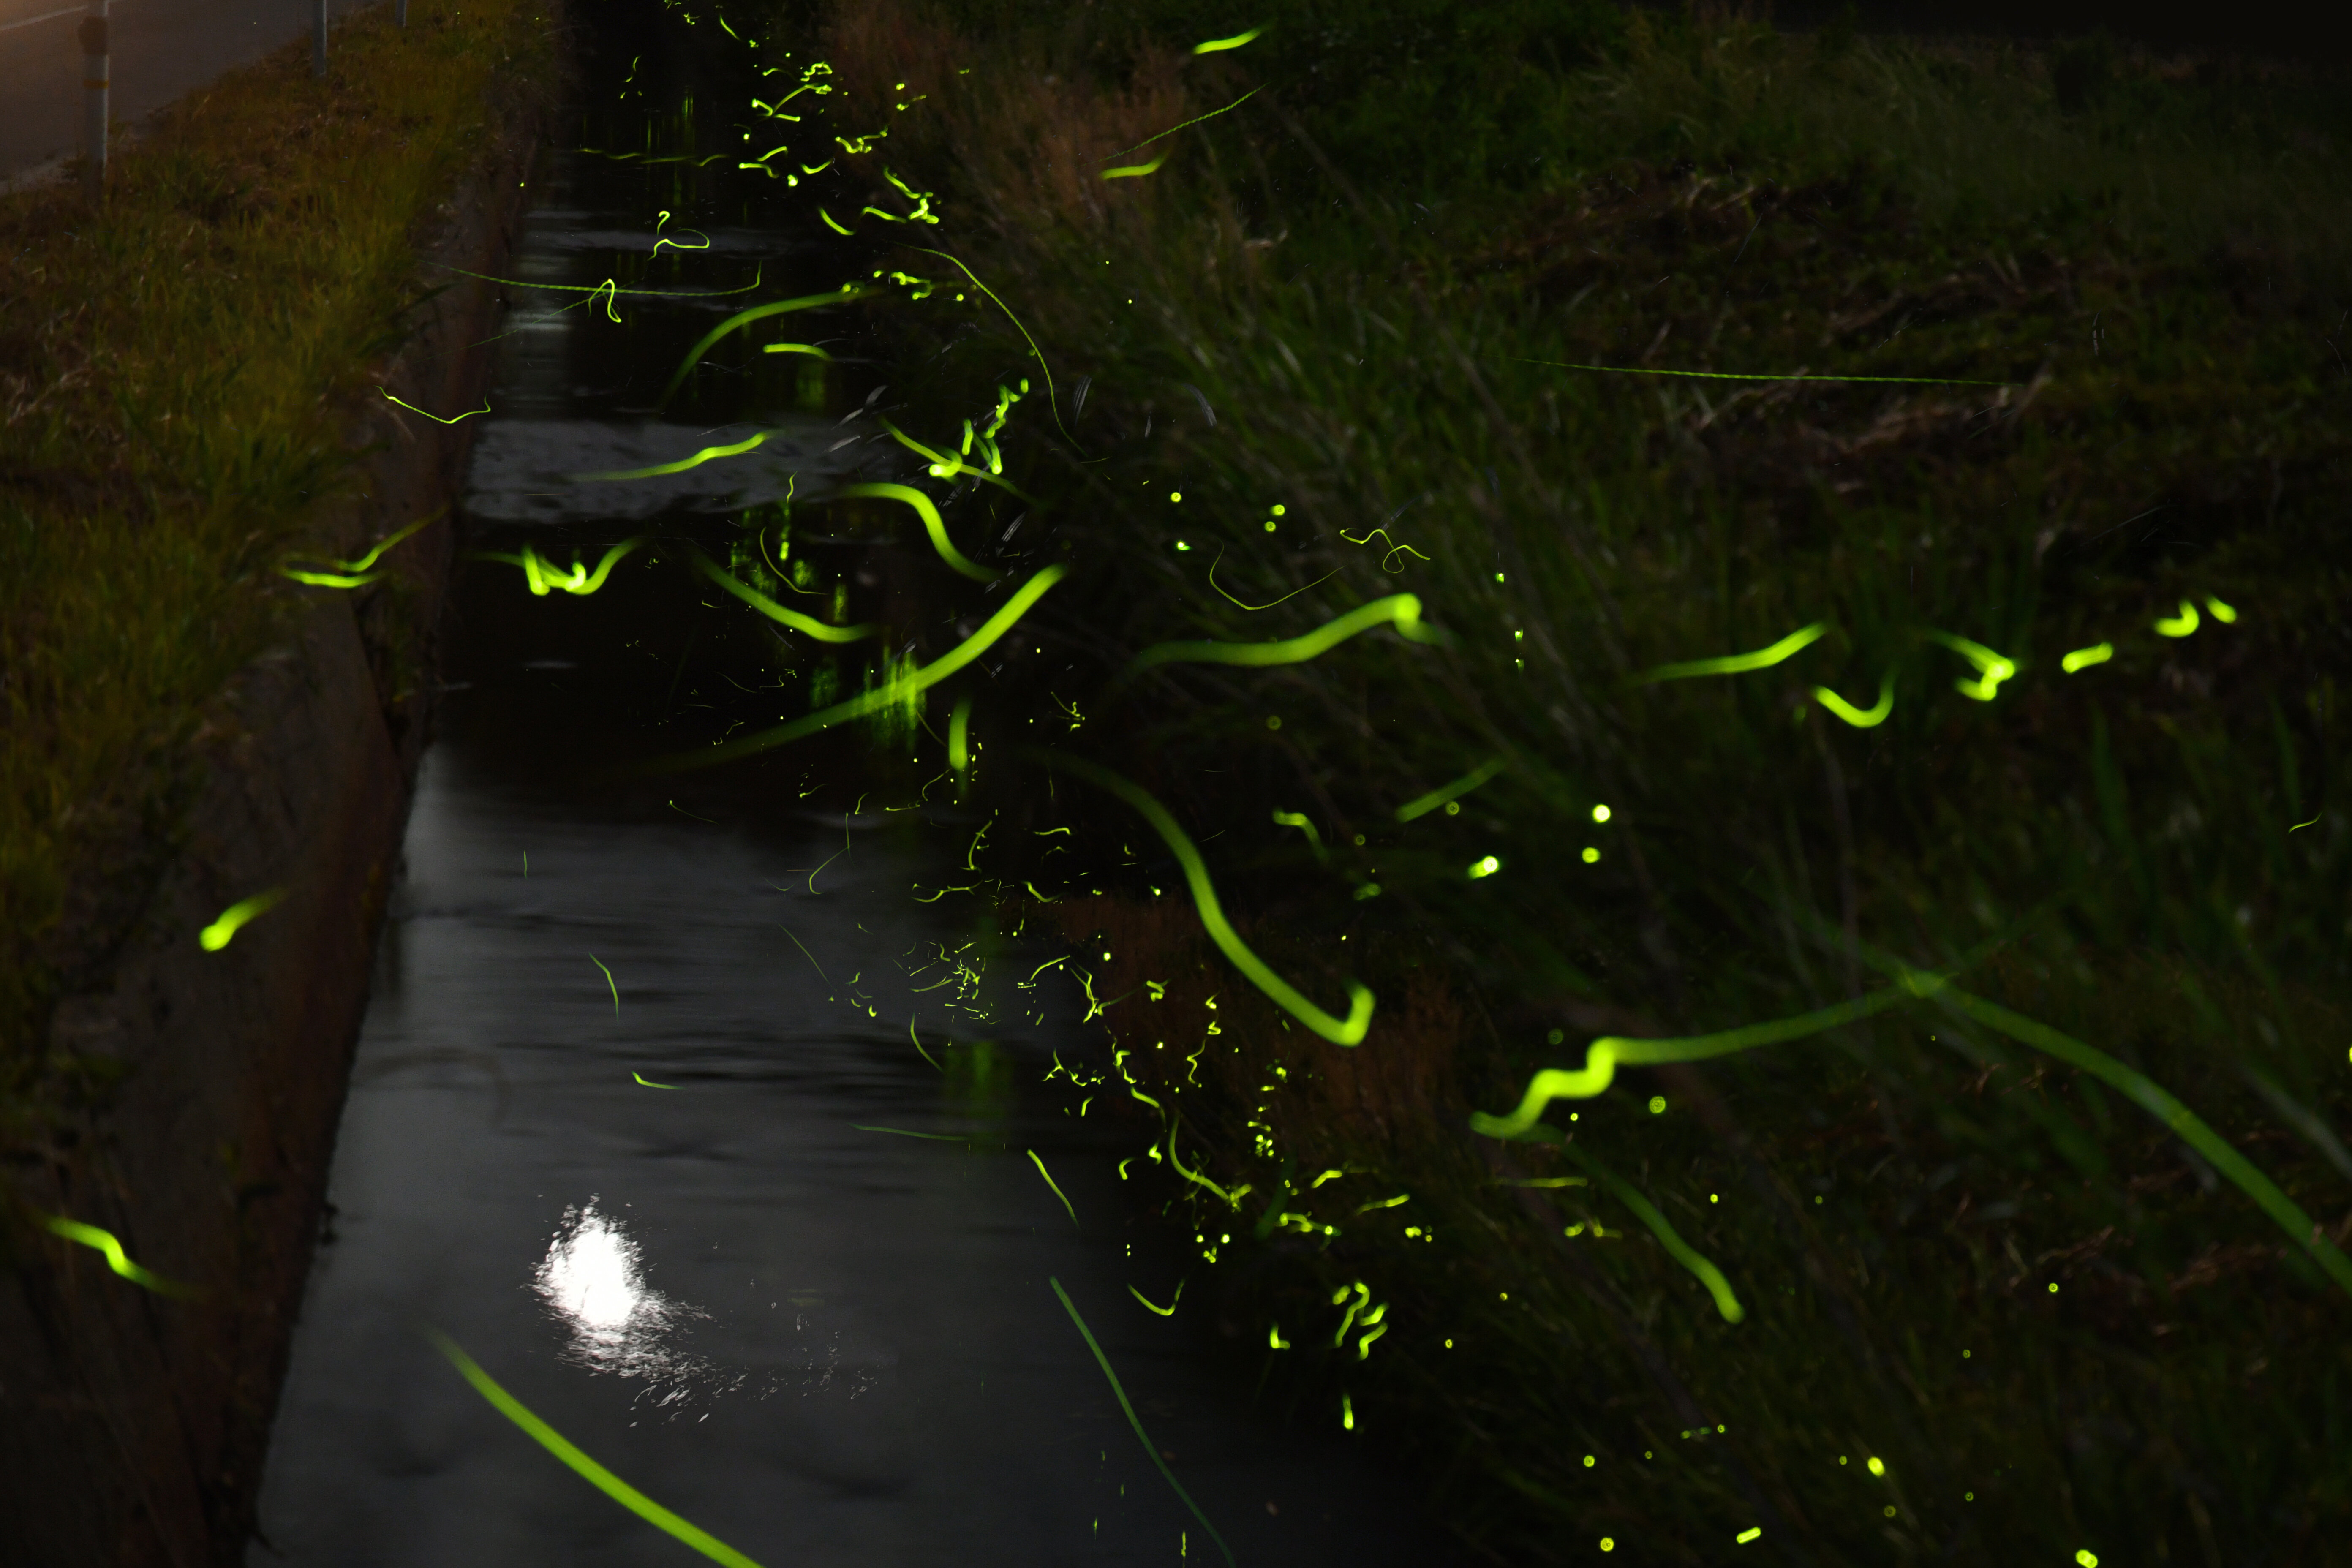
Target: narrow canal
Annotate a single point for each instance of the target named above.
(688, 1106)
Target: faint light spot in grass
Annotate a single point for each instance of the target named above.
(1592, 856)
(2053, 1288)
(1657, 1105)
(1555, 1036)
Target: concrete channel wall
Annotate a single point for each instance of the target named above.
(133, 1425)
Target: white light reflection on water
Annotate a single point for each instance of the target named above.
(593, 1281)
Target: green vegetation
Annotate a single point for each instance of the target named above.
(1990, 1310)
(177, 374)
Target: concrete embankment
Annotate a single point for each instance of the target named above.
(133, 1423)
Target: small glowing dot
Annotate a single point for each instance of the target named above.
(1657, 1105)
(1453, 808)
(1106, 958)
(1272, 723)
(1713, 1199)
(1555, 1036)
(1591, 855)
(1175, 495)
(1278, 511)
(1600, 814)
(1877, 1466)
(1817, 1198)
(2087, 1557)
(1181, 545)
(1449, 1345)
(1964, 1355)
(1498, 577)
(1359, 841)
(1841, 1458)
(1967, 1497)
(1506, 1295)
(1890, 1510)
(1269, 525)
(1607, 1544)
(2053, 1288)
(1588, 1461)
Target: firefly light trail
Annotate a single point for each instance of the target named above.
(219, 934)
(596, 1474)
(1142, 1436)
(1346, 1032)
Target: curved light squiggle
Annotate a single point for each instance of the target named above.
(104, 1241)
(841, 296)
(1423, 804)
(1859, 718)
(1738, 663)
(1401, 609)
(881, 696)
(1344, 1032)
(775, 612)
(933, 524)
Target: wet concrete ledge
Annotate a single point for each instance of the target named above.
(133, 1425)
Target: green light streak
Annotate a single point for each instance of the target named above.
(949, 465)
(1991, 667)
(2180, 625)
(1204, 898)
(959, 735)
(932, 523)
(704, 455)
(1401, 609)
(2184, 1123)
(1044, 369)
(778, 612)
(2222, 611)
(215, 936)
(609, 982)
(1700, 1267)
(1422, 806)
(898, 690)
(348, 573)
(940, 1137)
(1214, 44)
(1739, 663)
(1604, 1053)
(1056, 1186)
(1194, 120)
(608, 288)
(650, 1083)
(1142, 1436)
(1270, 604)
(2083, 657)
(1306, 825)
(1167, 1311)
(542, 574)
(1136, 171)
(484, 408)
(1726, 376)
(846, 293)
(596, 1474)
(1859, 718)
(104, 1241)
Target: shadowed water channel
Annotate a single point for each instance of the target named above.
(821, 1344)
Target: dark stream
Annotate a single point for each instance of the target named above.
(820, 1343)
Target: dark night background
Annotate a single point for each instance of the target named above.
(2310, 32)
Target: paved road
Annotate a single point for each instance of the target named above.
(162, 49)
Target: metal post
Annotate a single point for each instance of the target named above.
(93, 87)
(317, 38)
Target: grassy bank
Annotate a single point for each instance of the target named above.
(178, 372)
(1535, 313)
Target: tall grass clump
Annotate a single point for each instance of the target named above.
(178, 370)
(1987, 1308)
